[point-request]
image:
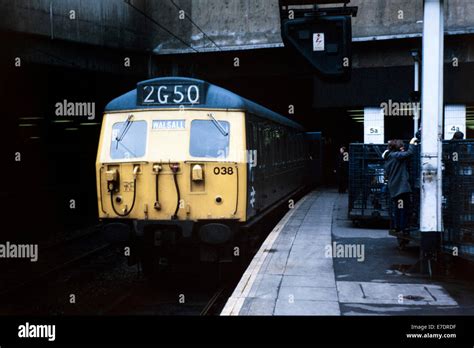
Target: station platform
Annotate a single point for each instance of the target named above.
(314, 262)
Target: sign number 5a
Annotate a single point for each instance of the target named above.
(373, 130)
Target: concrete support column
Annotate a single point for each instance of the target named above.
(432, 120)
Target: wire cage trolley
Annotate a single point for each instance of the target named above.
(369, 199)
(458, 197)
(368, 191)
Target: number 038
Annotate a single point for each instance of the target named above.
(223, 171)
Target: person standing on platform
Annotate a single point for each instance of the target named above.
(458, 136)
(342, 170)
(396, 171)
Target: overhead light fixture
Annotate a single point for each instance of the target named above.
(27, 125)
(30, 118)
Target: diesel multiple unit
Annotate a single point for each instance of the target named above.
(181, 161)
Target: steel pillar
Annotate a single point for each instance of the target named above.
(431, 143)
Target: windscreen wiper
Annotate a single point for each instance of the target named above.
(218, 125)
(126, 148)
(125, 128)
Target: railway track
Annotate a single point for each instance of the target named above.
(53, 260)
(53, 271)
(108, 287)
(144, 299)
(215, 302)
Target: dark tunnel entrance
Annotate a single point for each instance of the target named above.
(50, 153)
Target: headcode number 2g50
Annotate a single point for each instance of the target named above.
(223, 171)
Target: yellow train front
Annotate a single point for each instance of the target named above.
(183, 162)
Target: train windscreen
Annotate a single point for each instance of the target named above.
(208, 140)
(128, 140)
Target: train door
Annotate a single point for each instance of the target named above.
(255, 166)
(315, 157)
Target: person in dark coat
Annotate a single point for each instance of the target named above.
(458, 136)
(396, 162)
(342, 170)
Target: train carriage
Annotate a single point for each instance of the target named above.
(181, 160)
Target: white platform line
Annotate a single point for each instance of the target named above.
(235, 302)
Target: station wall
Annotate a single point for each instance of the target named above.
(231, 24)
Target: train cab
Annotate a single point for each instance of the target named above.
(177, 161)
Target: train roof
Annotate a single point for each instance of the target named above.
(214, 98)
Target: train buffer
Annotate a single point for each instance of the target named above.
(315, 262)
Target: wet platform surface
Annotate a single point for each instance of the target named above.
(315, 262)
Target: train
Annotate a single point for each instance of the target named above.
(182, 162)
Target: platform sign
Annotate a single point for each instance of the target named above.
(322, 35)
(454, 120)
(374, 132)
(324, 41)
(318, 42)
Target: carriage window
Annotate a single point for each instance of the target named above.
(128, 140)
(207, 140)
